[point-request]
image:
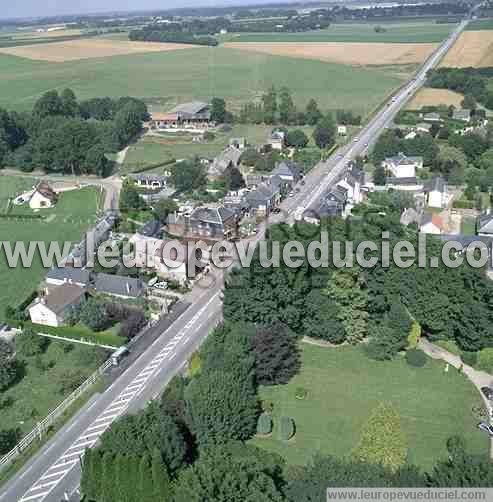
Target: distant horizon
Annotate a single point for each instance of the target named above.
(30, 9)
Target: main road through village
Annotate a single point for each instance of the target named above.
(53, 473)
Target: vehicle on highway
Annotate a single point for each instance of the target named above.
(303, 182)
(356, 140)
(488, 392)
(276, 210)
(483, 426)
(291, 194)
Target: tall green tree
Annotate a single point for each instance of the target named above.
(218, 110)
(269, 102)
(313, 114)
(70, 107)
(325, 132)
(287, 108)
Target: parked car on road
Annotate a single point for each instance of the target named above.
(488, 392)
(483, 426)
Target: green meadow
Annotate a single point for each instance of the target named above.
(196, 74)
(412, 32)
(343, 388)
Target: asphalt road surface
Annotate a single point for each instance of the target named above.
(53, 473)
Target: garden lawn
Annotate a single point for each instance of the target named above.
(344, 387)
(41, 389)
(196, 74)
(411, 32)
(74, 213)
(153, 149)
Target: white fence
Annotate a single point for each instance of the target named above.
(42, 427)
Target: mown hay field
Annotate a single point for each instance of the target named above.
(72, 50)
(360, 54)
(435, 97)
(473, 48)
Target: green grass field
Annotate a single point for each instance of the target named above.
(412, 32)
(196, 74)
(40, 390)
(480, 24)
(74, 213)
(344, 387)
(153, 150)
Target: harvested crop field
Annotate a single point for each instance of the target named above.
(435, 97)
(357, 54)
(474, 48)
(60, 52)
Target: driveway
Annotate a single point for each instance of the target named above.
(478, 378)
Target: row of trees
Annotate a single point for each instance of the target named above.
(153, 34)
(65, 136)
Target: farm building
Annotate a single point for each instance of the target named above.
(43, 197)
(194, 115)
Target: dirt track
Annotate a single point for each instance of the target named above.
(345, 53)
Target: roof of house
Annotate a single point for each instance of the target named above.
(461, 114)
(338, 194)
(69, 274)
(175, 251)
(277, 135)
(402, 181)
(437, 184)
(118, 285)
(423, 125)
(286, 168)
(264, 192)
(46, 191)
(149, 177)
(432, 116)
(192, 108)
(402, 159)
(229, 156)
(62, 297)
(485, 224)
(150, 229)
(216, 215)
(433, 218)
(408, 216)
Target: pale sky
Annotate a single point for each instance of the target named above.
(37, 8)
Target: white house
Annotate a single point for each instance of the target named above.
(43, 197)
(276, 140)
(51, 309)
(431, 224)
(437, 193)
(462, 115)
(342, 130)
(402, 166)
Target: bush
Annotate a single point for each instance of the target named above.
(93, 315)
(29, 344)
(485, 360)
(264, 424)
(133, 324)
(301, 393)
(267, 406)
(416, 357)
(414, 335)
(8, 439)
(286, 428)
(469, 358)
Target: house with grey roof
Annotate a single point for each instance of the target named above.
(484, 225)
(432, 117)
(411, 184)
(330, 205)
(287, 171)
(195, 114)
(149, 181)
(463, 115)
(151, 229)
(402, 166)
(277, 140)
(409, 216)
(239, 143)
(204, 223)
(52, 308)
(437, 193)
(119, 286)
(228, 158)
(58, 276)
(264, 198)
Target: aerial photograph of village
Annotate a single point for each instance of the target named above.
(246, 250)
